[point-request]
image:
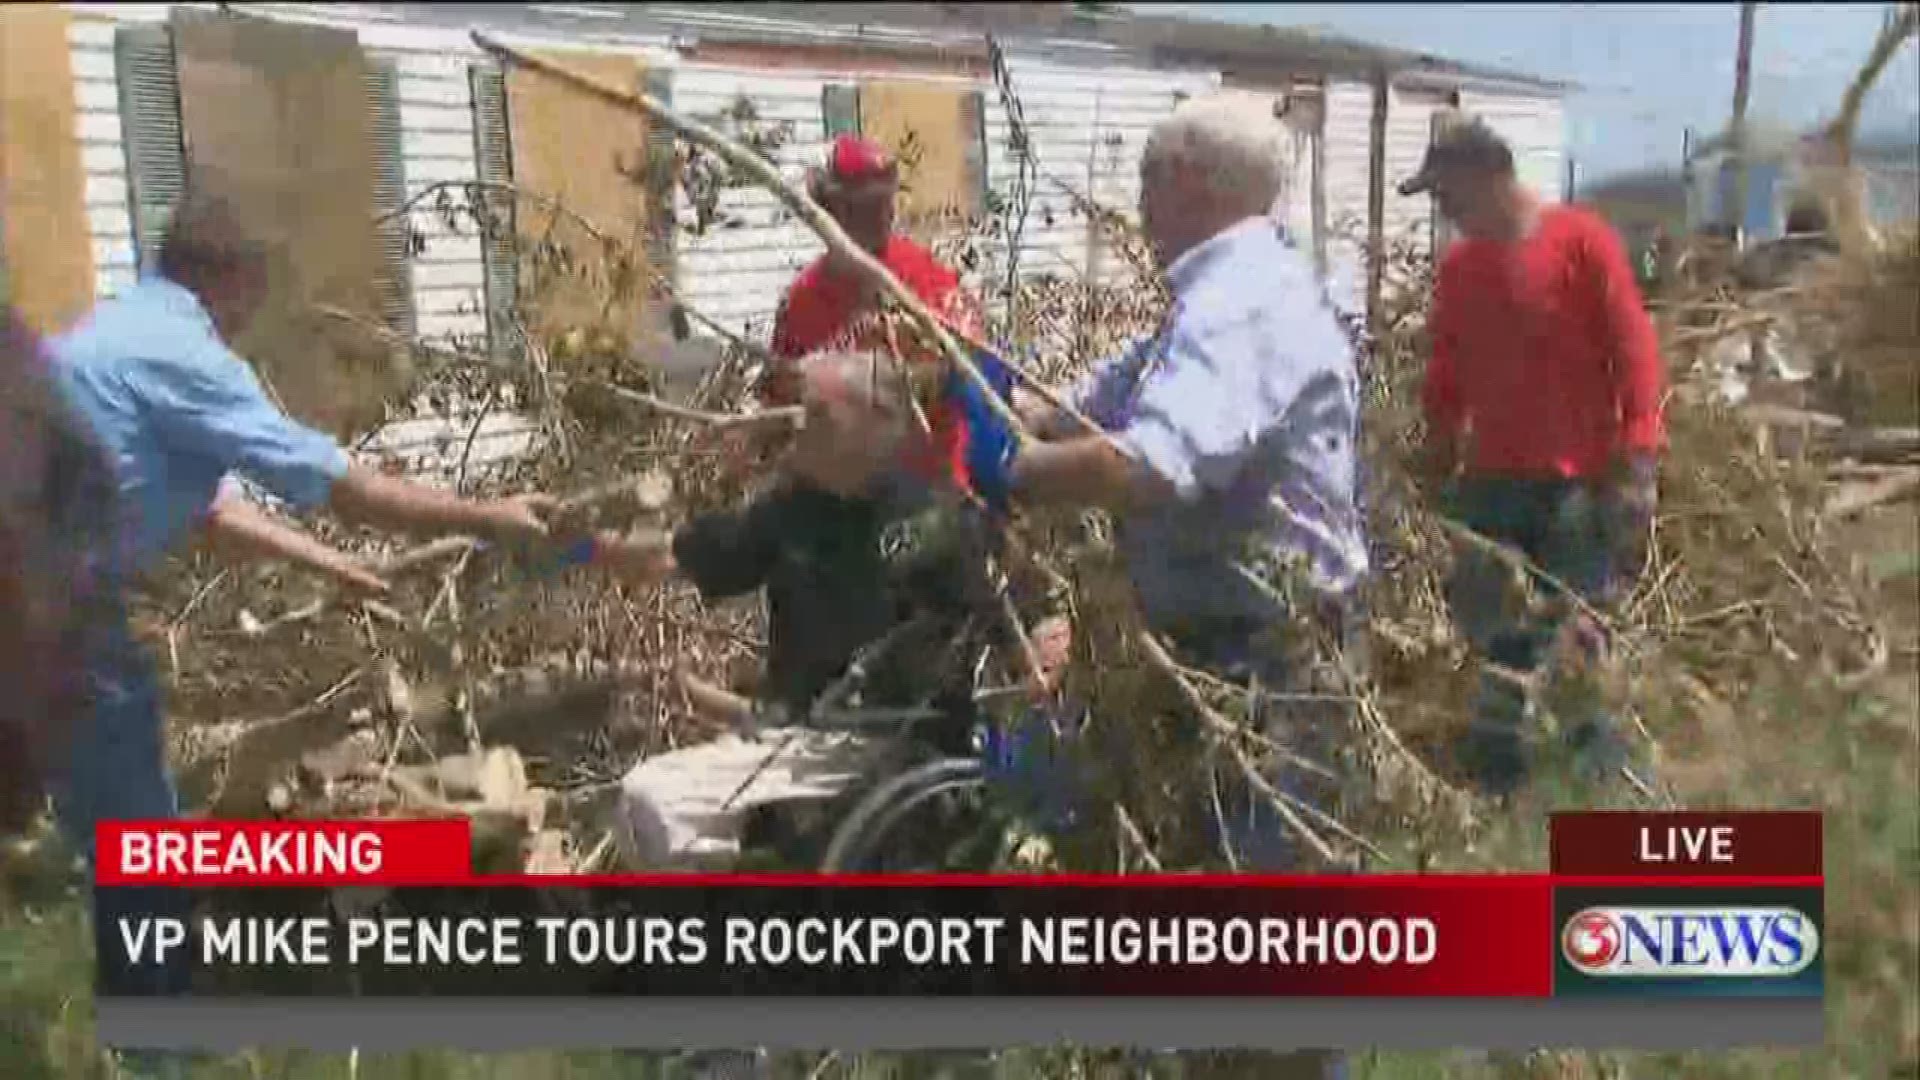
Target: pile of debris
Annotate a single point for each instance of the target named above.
(486, 688)
(1819, 355)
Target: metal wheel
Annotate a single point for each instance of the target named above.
(935, 817)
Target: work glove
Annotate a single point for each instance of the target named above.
(991, 442)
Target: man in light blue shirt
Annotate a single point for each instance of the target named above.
(1229, 434)
(178, 414)
(1228, 445)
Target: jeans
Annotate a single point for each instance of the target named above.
(1571, 531)
(117, 770)
(118, 764)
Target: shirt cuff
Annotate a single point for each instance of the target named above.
(1162, 450)
(310, 488)
(230, 487)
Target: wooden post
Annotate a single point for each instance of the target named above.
(1376, 201)
(1737, 128)
(47, 273)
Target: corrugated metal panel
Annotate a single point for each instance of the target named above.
(662, 237)
(149, 94)
(390, 192)
(493, 164)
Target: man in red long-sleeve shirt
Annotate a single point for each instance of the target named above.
(831, 306)
(1543, 406)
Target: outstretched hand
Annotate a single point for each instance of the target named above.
(518, 517)
(640, 559)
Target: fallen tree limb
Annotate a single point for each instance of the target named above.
(1729, 328)
(1876, 444)
(1853, 498)
(783, 415)
(1227, 734)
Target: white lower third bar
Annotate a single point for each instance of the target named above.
(860, 1024)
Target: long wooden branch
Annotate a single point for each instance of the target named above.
(545, 202)
(637, 487)
(783, 415)
(768, 177)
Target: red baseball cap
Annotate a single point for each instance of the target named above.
(853, 159)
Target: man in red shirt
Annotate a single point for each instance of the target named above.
(1543, 407)
(832, 306)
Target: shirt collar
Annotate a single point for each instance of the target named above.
(177, 299)
(1189, 268)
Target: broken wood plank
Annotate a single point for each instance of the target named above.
(1787, 416)
(1876, 444)
(1853, 498)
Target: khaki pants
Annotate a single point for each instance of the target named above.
(686, 809)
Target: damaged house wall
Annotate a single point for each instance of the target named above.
(1088, 106)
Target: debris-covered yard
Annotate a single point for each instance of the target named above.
(1768, 656)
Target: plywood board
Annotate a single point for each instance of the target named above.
(279, 113)
(932, 129)
(43, 217)
(588, 155)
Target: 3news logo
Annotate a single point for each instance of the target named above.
(1691, 944)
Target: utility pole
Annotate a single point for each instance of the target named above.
(1737, 128)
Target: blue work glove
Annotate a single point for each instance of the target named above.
(545, 562)
(991, 444)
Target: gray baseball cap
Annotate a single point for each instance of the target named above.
(1466, 143)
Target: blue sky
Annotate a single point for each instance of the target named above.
(1648, 70)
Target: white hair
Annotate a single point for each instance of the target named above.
(1234, 139)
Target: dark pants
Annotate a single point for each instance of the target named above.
(1570, 531)
(1248, 825)
(1245, 823)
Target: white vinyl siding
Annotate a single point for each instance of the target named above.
(1088, 124)
(736, 271)
(1409, 133)
(1345, 132)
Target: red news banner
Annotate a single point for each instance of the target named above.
(1714, 901)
